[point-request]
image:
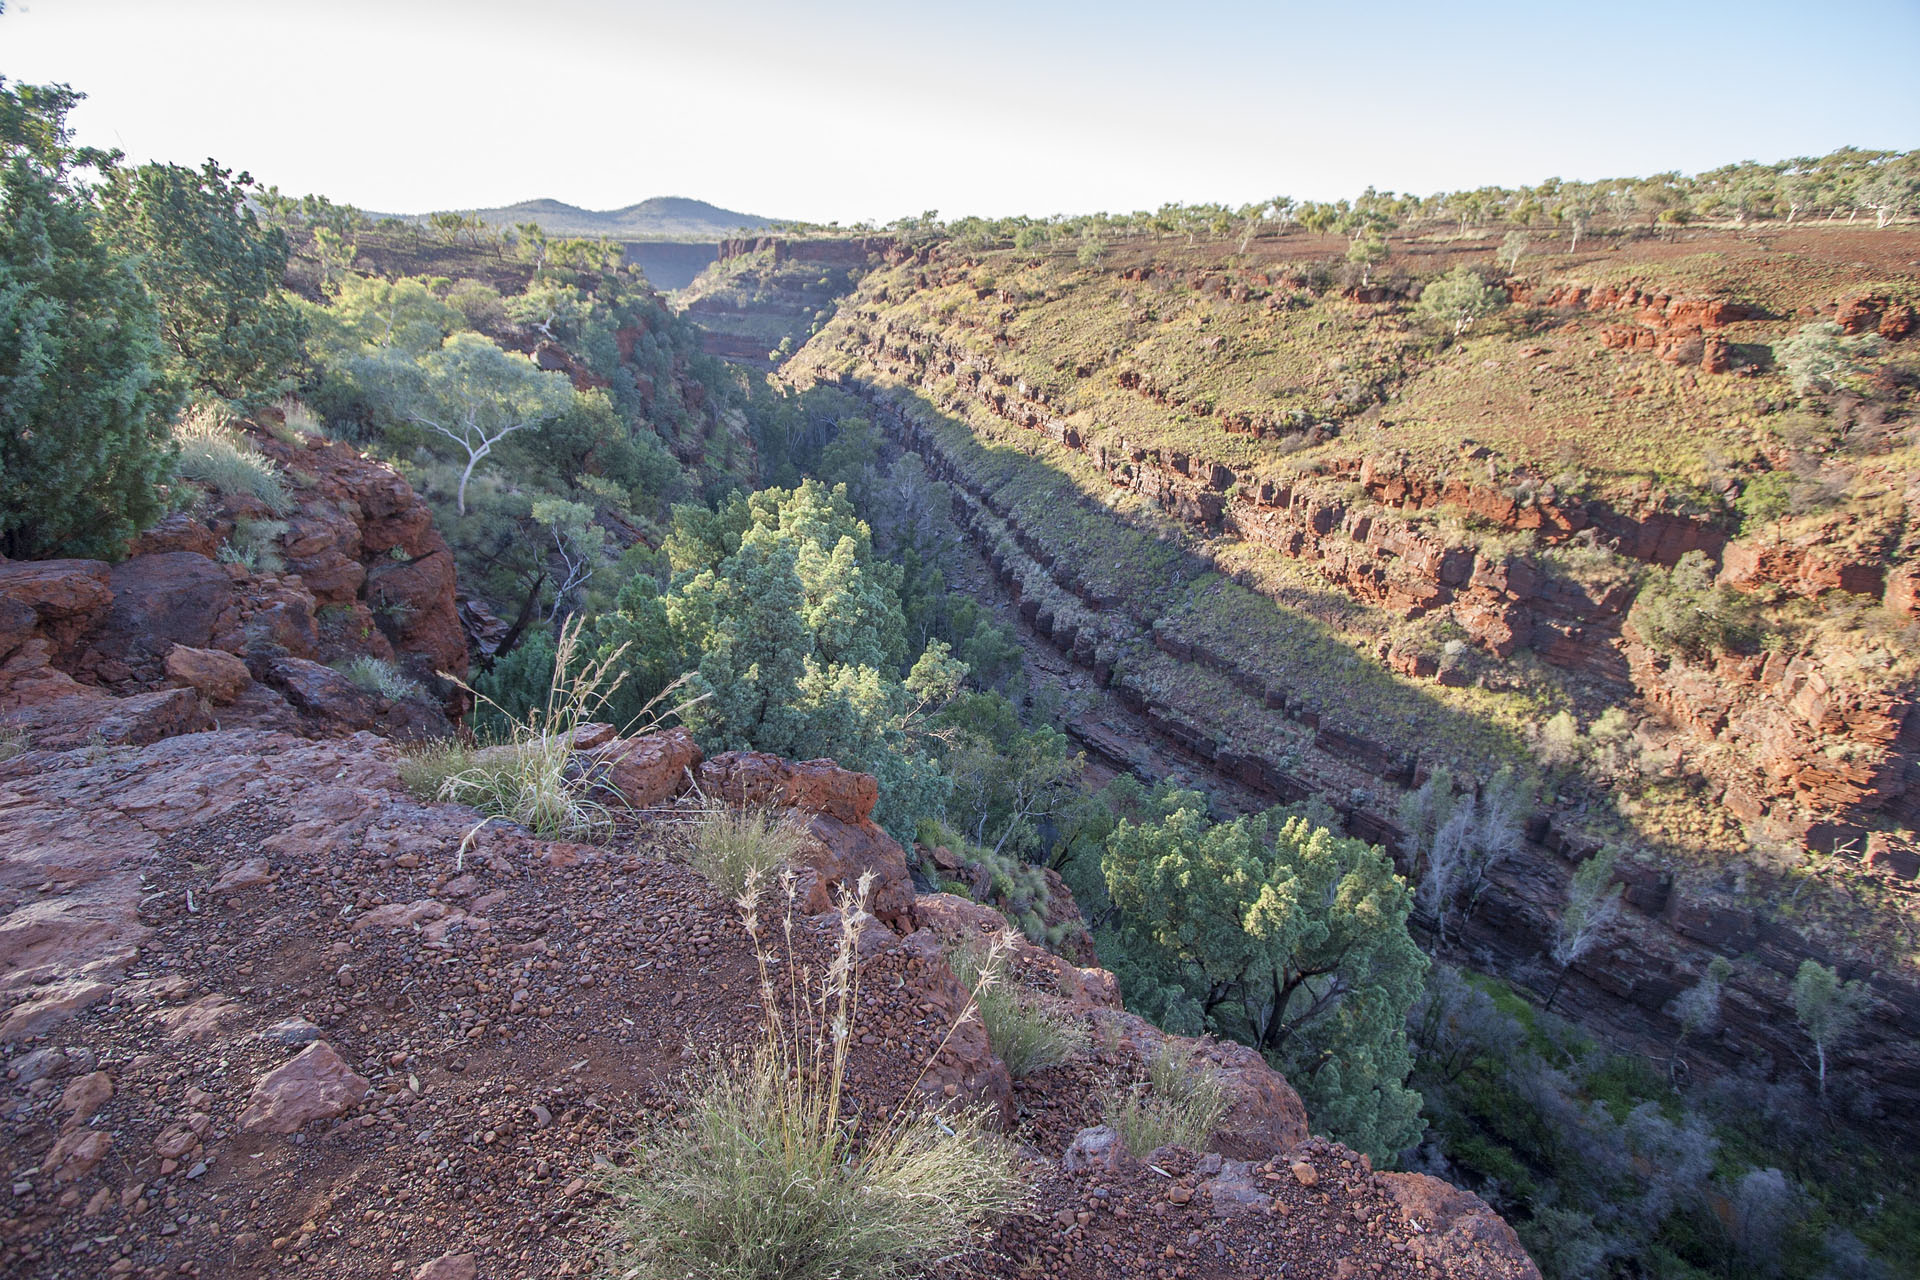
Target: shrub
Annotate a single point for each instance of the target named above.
(1765, 497)
(1181, 1105)
(1459, 300)
(83, 417)
(380, 677)
(214, 454)
(1820, 356)
(253, 544)
(1686, 613)
(733, 847)
(767, 1178)
(1027, 1035)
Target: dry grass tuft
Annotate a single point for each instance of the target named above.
(734, 846)
(214, 454)
(1027, 1035)
(1180, 1106)
(768, 1177)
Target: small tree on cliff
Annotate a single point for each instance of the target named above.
(476, 395)
(1593, 902)
(1827, 1008)
(1460, 299)
(215, 274)
(1288, 938)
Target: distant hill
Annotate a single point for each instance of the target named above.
(663, 217)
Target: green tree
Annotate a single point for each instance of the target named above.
(473, 394)
(1828, 1009)
(1367, 252)
(1288, 938)
(1460, 299)
(215, 274)
(84, 447)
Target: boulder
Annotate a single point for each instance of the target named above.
(174, 597)
(449, 1266)
(176, 532)
(1456, 1233)
(643, 770)
(217, 676)
(315, 1085)
(835, 854)
(66, 598)
(325, 694)
(1096, 1149)
(75, 1154)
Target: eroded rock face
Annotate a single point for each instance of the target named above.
(758, 779)
(591, 955)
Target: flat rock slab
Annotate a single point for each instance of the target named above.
(317, 1085)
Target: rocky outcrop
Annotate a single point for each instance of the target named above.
(118, 652)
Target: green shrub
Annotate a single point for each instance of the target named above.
(1027, 1035)
(212, 453)
(83, 417)
(732, 847)
(1820, 356)
(1181, 1105)
(381, 678)
(1685, 613)
(765, 1179)
(1763, 498)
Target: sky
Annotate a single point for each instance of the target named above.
(856, 110)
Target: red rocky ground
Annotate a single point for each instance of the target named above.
(266, 1014)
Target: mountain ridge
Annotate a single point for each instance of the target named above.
(656, 217)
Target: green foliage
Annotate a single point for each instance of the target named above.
(1766, 497)
(1367, 252)
(470, 393)
(1007, 781)
(791, 628)
(1288, 938)
(1827, 1009)
(1820, 357)
(1684, 612)
(84, 449)
(1460, 299)
(515, 686)
(215, 274)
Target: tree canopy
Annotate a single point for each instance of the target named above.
(1286, 937)
(84, 409)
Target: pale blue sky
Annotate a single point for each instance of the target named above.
(857, 109)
